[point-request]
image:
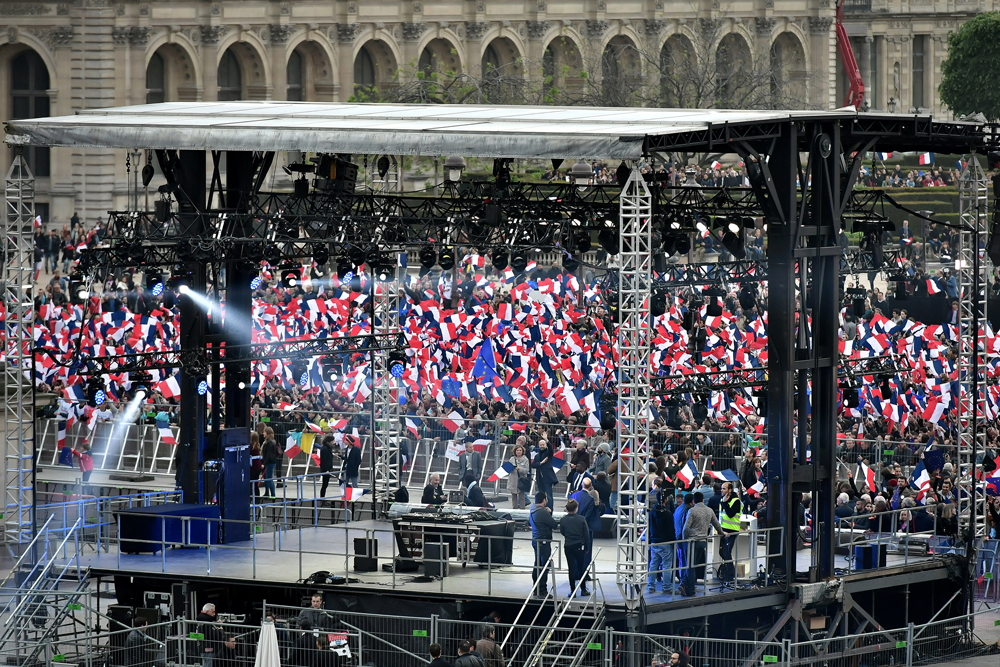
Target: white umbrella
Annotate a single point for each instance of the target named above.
(267, 648)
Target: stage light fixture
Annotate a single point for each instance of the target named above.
(202, 387)
(446, 259)
(608, 239)
(669, 244)
(147, 174)
(255, 283)
(993, 244)
(154, 282)
(581, 173)
(701, 226)
(570, 264)
(622, 174)
(357, 256)
(428, 257)
(658, 304)
(321, 254)
(732, 225)
(747, 297)
(397, 364)
(291, 275)
(519, 262)
(272, 254)
(500, 259)
(735, 245)
(886, 387)
(383, 166)
(454, 165)
(683, 244)
(169, 300)
(384, 267)
(851, 399)
(609, 411)
(99, 397)
(345, 269)
(582, 242)
(77, 287)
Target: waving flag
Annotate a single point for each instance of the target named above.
(486, 362)
(454, 420)
(688, 473)
(413, 423)
(869, 476)
(926, 158)
(502, 472)
(920, 480)
(166, 434)
(557, 460)
(724, 475)
(351, 493)
(756, 489)
(932, 286)
(313, 427)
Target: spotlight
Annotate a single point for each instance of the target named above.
(886, 387)
(569, 264)
(397, 364)
(658, 304)
(609, 411)
(701, 226)
(357, 256)
(747, 297)
(291, 275)
(272, 255)
(304, 378)
(583, 242)
(851, 398)
(428, 258)
(453, 167)
(147, 174)
(254, 253)
(447, 259)
(99, 397)
(383, 166)
(383, 266)
(608, 239)
(345, 270)
(622, 174)
(669, 244)
(321, 254)
(683, 244)
(581, 173)
(734, 244)
(202, 387)
(169, 300)
(255, 283)
(519, 262)
(184, 289)
(242, 385)
(500, 259)
(77, 287)
(733, 226)
(154, 282)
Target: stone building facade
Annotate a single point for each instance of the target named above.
(57, 57)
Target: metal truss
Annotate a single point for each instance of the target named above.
(746, 378)
(635, 285)
(281, 349)
(972, 274)
(18, 260)
(385, 404)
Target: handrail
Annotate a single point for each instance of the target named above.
(28, 549)
(549, 594)
(31, 592)
(388, 643)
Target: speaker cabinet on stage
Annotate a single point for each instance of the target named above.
(869, 557)
(122, 618)
(436, 559)
(365, 554)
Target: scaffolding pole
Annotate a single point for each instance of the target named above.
(18, 253)
(385, 405)
(634, 391)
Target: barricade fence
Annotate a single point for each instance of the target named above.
(344, 637)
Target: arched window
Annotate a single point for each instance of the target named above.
(491, 61)
(294, 75)
(230, 78)
(156, 80)
(364, 70)
(29, 79)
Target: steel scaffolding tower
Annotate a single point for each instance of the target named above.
(385, 387)
(972, 272)
(634, 390)
(18, 253)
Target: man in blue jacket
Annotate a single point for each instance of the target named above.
(661, 532)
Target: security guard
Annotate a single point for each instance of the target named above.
(729, 517)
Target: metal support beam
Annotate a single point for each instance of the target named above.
(634, 391)
(385, 387)
(18, 367)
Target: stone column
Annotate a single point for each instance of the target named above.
(345, 34)
(864, 58)
(210, 36)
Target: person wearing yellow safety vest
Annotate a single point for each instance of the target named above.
(729, 517)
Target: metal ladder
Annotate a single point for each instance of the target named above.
(576, 624)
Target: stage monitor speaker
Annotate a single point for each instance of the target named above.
(365, 554)
(122, 618)
(436, 559)
(869, 557)
(178, 600)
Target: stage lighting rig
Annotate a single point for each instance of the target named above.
(569, 263)
(748, 296)
(454, 165)
(382, 265)
(78, 292)
(658, 302)
(397, 364)
(519, 262)
(154, 283)
(735, 243)
(609, 410)
(446, 259)
(321, 254)
(582, 242)
(428, 258)
(345, 269)
(500, 259)
(291, 274)
(608, 237)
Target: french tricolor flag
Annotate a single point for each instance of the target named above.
(756, 489)
(413, 424)
(869, 476)
(688, 473)
(926, 158)
(920, 480)
(338, 425)
(351, 493)
(558, 460)
(313, 427)
(935, 410)
(166, 435)
(454, 420)
(502, 472)
(170, 388)
(932, 286)
(724, 475)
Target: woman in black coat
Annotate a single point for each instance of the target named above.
(546, 475)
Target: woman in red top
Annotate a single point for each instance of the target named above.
(86, 462)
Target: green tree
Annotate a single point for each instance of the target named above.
(970, 77)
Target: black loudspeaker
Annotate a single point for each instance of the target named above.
(161, 208)
(365, 554)
(402, 565)
(869, 557)
(436, 559)
(122, 618)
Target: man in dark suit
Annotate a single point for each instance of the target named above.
(473, 494)
(352, 461)
(433, 493)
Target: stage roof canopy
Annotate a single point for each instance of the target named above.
(457, 129)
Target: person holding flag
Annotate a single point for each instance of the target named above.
(546, 475)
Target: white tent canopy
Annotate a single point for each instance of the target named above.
(394, 129)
